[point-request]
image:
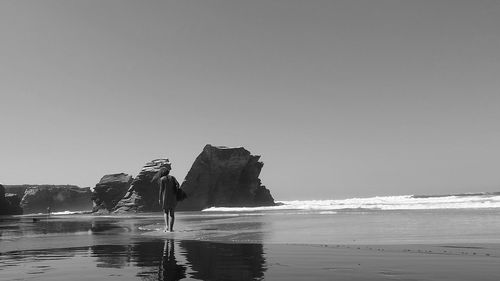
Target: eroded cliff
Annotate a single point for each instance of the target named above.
(225, 177)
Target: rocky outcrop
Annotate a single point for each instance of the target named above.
(110, 189)
(225, 177)
(38, 198)
(219, 177)
(9, 203)
(144, 197)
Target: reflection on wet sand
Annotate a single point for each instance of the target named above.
(42, 225)
(18, 227)
(219, 261)
(170, 269)
(111, 256)
(203, 260)
(116, 249)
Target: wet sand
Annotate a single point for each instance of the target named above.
(401, 262)
(218, 248)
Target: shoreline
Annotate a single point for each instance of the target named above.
(253, 247)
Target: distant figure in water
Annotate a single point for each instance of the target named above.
(169, 269)
(48, 211)
(168, 194)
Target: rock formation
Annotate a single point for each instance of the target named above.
(144, 196)
(110, 189)
(220, 177)
(9, 203)
(36, 199)
(225, 177)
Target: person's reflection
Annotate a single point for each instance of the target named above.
(169, 269)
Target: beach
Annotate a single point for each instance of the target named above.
(456, 244)
(296, 140)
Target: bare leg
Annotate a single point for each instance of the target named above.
(165, 217)
(172, 219)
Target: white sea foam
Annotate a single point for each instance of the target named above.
(57, 213)
(404, 202)
(67, 212)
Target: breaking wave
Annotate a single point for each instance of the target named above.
(59, 213)
(404, 202)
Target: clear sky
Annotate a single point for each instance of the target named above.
(341, 98)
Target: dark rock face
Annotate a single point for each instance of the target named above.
(144, 196)
(110, 189)
(10, 204)
(36, 199)
(225, 177)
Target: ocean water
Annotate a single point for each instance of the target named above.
(404, 202)
(460, 218)
(257, 243)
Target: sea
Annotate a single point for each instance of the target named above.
(253, 243)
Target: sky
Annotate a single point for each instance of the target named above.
(340, 98)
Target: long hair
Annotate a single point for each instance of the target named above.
(161, 173)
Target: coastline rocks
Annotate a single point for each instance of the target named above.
(219, 177)
(10, 204)
(144, 197)
(225, 177)
(38, 198)
(110, 189)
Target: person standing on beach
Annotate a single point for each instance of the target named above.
(168, 195)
